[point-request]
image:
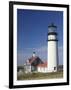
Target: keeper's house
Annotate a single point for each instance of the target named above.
(35, 64)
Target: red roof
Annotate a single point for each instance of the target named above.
(32, 59)
(43, 65)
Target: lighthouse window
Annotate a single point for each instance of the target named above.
(52, 29)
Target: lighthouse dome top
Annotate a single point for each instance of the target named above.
(52, 28)
(52, 25)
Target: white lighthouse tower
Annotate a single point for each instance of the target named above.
(52, 48)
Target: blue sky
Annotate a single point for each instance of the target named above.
(32, 29)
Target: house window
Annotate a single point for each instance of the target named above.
(54, 68)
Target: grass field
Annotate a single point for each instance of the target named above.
(37, 76)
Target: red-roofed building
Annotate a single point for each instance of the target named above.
(35, 64)
(42, 67)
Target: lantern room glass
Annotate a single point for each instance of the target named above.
(52, 28)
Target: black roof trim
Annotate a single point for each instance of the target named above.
(53, 40)
(52, 33)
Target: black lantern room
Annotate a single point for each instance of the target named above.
(52, 31)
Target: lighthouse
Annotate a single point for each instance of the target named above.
(52, 48)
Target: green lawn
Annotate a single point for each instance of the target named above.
(34, 76)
